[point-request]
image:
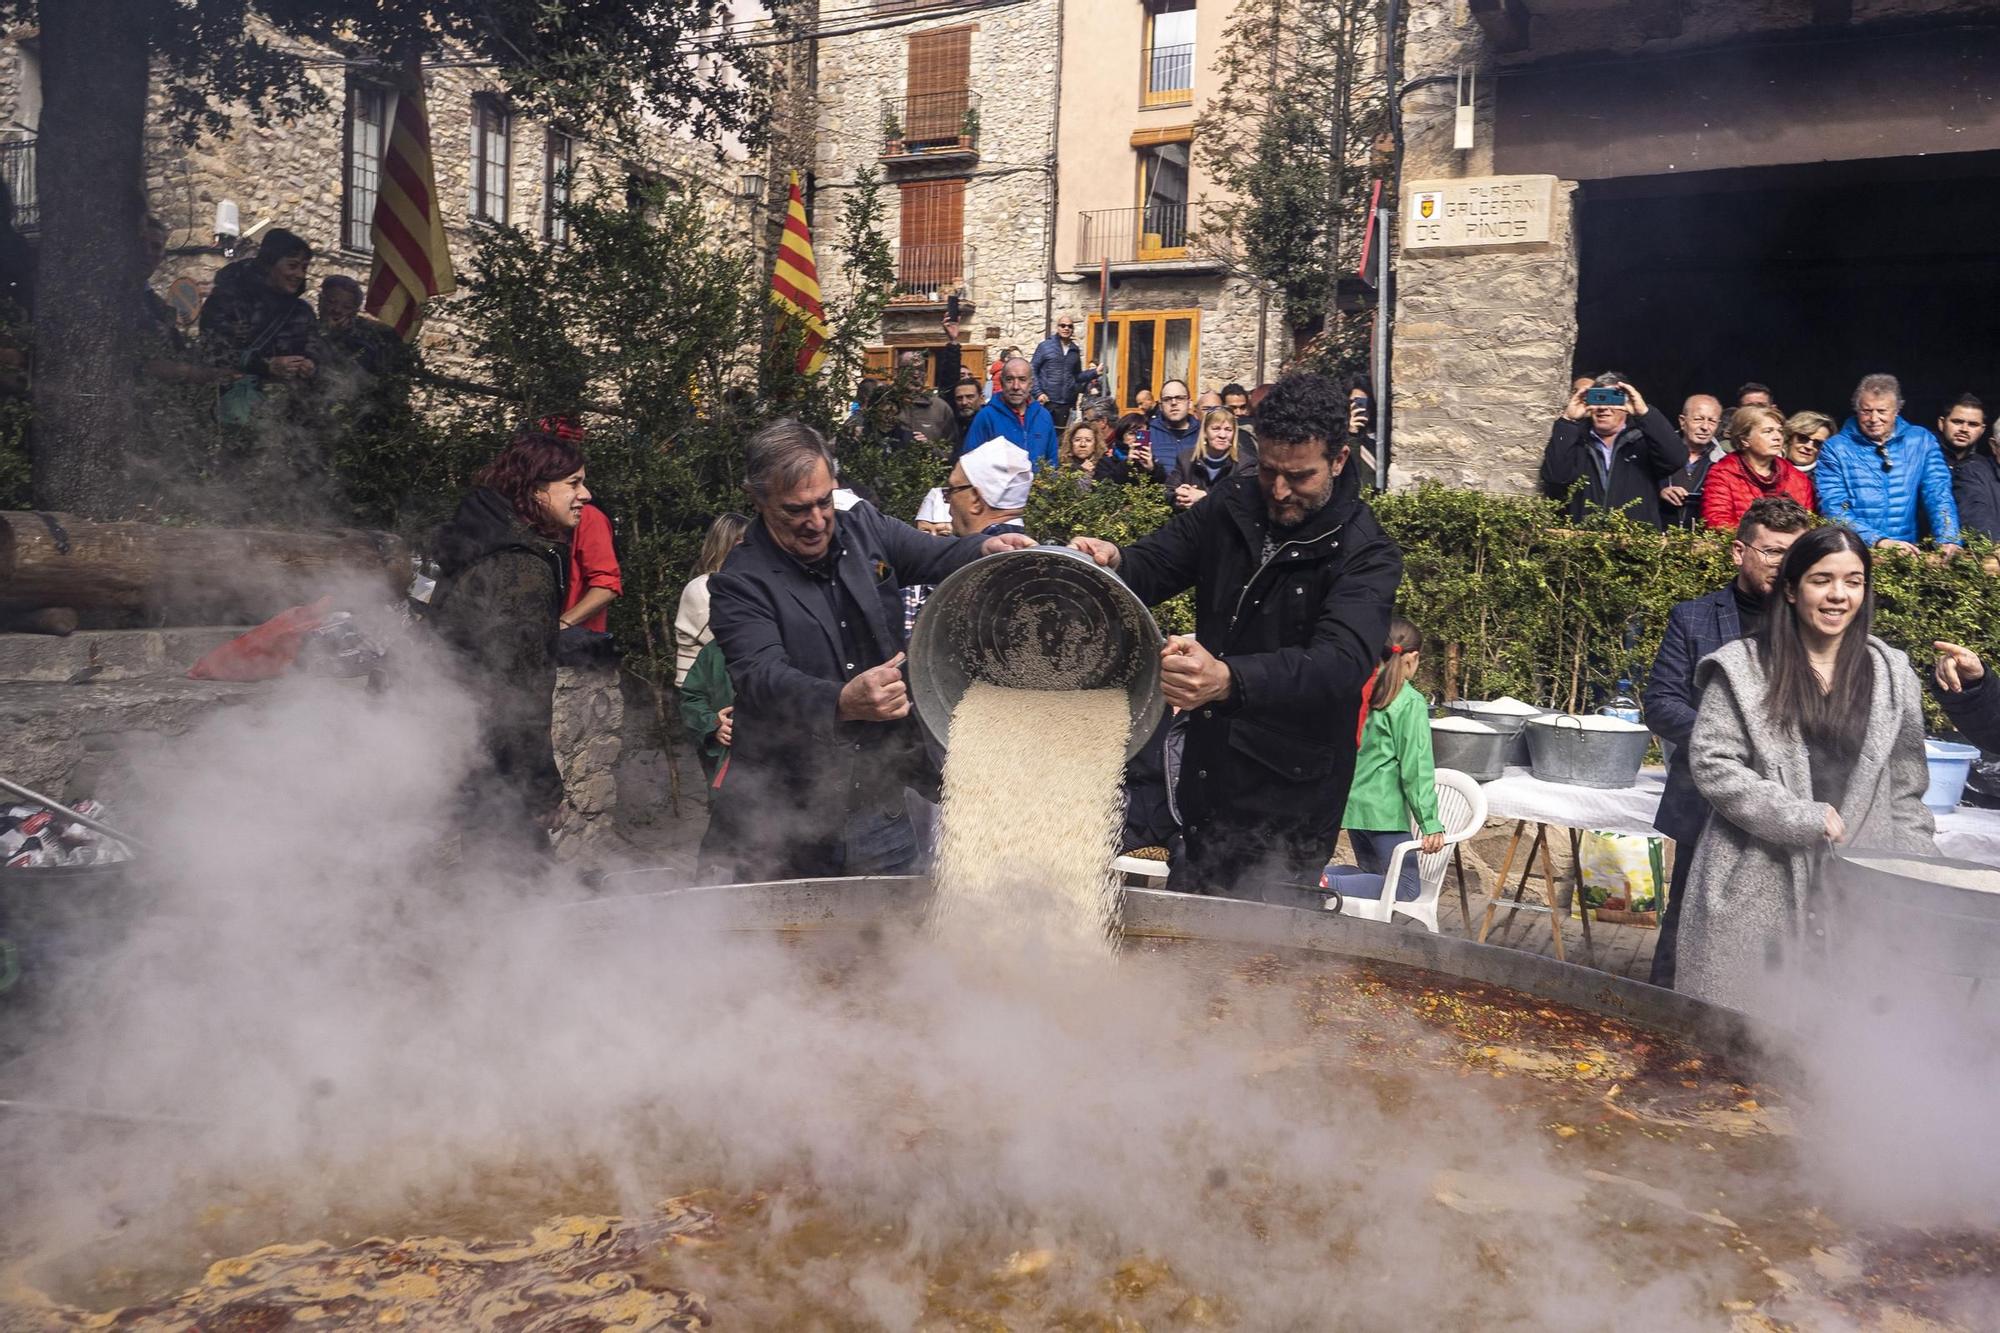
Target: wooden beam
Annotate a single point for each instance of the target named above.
(1505, 22)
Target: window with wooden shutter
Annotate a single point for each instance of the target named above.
(930, 260)
(939, 76)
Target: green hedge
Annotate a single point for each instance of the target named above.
(1514, 600)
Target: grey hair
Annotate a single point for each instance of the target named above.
(1610, 379)
(1012, 359)
(782, 455)
(1872, 385)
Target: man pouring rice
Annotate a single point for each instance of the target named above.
(1294, 584)
(808, 612)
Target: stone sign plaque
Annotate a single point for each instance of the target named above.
(1478, 212)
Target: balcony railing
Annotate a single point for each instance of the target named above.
(926, 274)
(946, 122)
(1154, 233)
(1167, 75)
(17, 170)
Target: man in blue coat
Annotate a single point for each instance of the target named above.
(1060, 375)
(1014, 416)
(808, 611)
(1880, 470)
(1694, 630)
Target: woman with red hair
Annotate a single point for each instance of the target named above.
(504, 561)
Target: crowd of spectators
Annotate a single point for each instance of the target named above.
(1893, 481)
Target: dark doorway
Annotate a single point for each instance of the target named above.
(1804, 278)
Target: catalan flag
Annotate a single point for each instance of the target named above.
(412, 261)
(795, 282)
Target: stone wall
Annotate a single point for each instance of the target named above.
(293, 175)
(1007, 194)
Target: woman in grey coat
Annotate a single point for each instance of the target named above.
(1812, 733)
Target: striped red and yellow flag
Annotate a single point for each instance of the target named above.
(795, 282)
(412, 260)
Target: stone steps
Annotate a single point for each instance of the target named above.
(108, 654)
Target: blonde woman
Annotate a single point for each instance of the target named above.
(1221, 452)
(691, 629)
(1805, 432)
(1754, 470)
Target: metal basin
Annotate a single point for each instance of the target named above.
(1480, 755)
(646, 901)
(1563, 749)
(1046, 618)
(1513, 725)
(1930, 914)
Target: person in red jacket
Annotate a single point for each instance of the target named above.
(593, 573)
(1756, 469)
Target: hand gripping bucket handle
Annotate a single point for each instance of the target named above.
(1045, 618)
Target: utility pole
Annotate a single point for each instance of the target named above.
(1343, 76)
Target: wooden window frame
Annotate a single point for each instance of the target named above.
(1141, 142)
(1125, 318)
(558, 162)
(361, 241)
(937, 68)
(1150, 97)
(482, 202)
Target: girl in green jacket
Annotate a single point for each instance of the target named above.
(1394, 779)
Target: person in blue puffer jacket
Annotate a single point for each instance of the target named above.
(1879, 470)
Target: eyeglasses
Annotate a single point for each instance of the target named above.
(1771, 553)
(1175, 398)
(948, 491)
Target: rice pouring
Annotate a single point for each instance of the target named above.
(1032, 810)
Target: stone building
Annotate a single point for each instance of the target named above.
(317, 177)
(956, 113)
(1698, 193)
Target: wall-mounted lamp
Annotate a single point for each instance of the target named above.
(228, 228)
(1461, 128)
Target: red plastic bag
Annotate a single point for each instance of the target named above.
(266, 651)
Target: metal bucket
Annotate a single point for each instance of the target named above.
(1515, 725)
(1480, 755)
(1925, 913)
(1562, 749)
(1044, 618)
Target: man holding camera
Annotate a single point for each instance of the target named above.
(1610, 450)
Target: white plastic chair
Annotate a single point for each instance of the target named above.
(1462, 811)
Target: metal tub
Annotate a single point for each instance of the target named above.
(1515, 725)
(1480, 755)
(1562, 749)
(1884, 911)
(1045, 618)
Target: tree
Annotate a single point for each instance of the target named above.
(599, 64)
(1290, 137)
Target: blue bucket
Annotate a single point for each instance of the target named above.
(1951, 765)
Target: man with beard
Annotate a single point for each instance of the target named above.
(1975, 471)
(1294, 584)
(1695, 629)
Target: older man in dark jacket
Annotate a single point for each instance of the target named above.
(1294, 584)
(1694, 630)
(1060, 375)
(1611, 455)
(809, 614)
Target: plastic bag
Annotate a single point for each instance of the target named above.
(1622, 871)
(266, 651)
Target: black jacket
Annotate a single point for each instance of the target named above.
(1264, 776)
(1691, 476)
(1645, 454)
(1695, 629)
(244, 322)
(795, 769)
(499, 593)
(1975, 711)
(1975, 485)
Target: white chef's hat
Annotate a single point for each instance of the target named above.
(934, 509)
(1000, 471)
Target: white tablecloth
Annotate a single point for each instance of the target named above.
(1966, 834)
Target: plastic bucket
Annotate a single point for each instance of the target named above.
(1951, 764)
(1044, 618)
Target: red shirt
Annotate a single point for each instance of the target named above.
(1730, 487)
(592, 563)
